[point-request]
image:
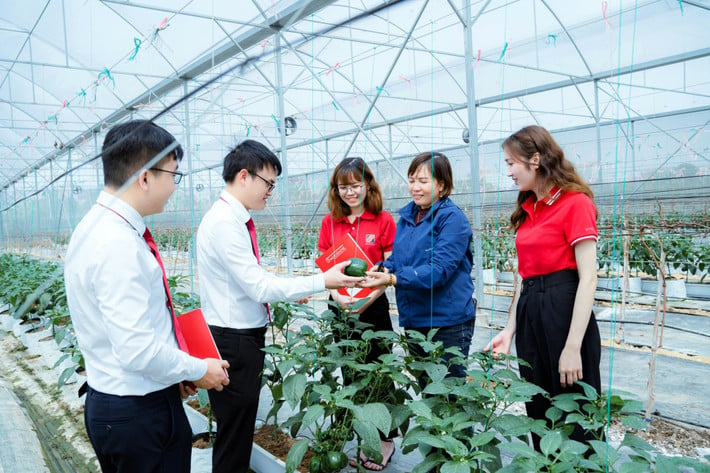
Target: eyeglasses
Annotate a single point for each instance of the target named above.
(177, 175)
(354, 188)
(269, 185)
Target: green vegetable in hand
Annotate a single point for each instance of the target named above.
(356, 268)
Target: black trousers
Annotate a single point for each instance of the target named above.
(235, 407)
(378, 316)
(139, 434)
(544, 316)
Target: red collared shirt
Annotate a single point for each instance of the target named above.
(374, 233)
(545, 240)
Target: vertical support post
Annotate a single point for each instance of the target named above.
(191, 183)
(284, 159)
(37, 222)
(633, 150)
(3, 204)
(16, 212)
(70, 212)
(473, 153)
(597, 119)
(99, 181)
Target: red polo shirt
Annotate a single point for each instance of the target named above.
(374, 233)
(545, 241)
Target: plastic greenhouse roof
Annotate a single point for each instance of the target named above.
(366, 76)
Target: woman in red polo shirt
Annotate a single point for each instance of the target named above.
(556, 233)
(355, 203)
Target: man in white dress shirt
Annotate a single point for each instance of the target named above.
(123, 321)
(234, 290)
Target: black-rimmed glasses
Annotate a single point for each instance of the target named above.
(269, 185)
(177, 175)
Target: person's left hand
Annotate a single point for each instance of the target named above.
(375, 278)
(570, 367)
(187, 389)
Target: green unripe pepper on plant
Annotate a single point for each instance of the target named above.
(315, 466)
(337, 460)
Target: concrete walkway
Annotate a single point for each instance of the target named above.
(20, 450)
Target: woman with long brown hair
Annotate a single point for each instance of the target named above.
(355, 203)
(551, 315)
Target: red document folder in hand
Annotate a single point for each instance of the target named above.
(342, 250)
(198, 337)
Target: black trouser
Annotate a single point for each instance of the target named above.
(139, 434)
(235, 407)
(378, 316)
(544, 315)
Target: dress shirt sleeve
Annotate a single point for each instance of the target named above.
(232, 241)
(136, 321)
(441, 260)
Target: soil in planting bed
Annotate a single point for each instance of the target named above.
(278, 444)
(669, 438)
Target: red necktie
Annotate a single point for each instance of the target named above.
(255, 249)
(154, 249)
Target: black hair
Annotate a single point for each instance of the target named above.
(440, 168)
(250, 155)
(129, 146)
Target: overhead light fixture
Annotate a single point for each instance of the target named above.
(464, 136)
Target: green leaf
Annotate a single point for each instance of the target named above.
(294, 387)
(313, 413)
(368, 433)
(482, 438)
(285, 366)
(64, 377)
(437, 372)
(436, 388)
(550, 443)
(455, 467)
(634, 422)
(519, 449)
(377, 414)
(203, 397)
(295, 455)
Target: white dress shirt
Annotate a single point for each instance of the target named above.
(117, 303)
(233, 287)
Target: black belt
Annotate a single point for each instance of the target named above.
(249, 332)
(539, 283)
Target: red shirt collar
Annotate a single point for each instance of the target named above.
(366, 215)
(551, 197)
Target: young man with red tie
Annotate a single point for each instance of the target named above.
(122, 312)
(235, 291)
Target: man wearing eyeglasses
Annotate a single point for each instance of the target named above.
(122, 313)
(235, 291)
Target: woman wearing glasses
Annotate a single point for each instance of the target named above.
(355, 203)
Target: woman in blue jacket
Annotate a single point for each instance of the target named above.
(431, 260)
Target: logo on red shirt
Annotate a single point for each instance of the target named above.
(369, 238)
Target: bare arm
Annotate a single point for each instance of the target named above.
(570, 364)
(501, 343)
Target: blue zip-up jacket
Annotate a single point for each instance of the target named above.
(434, 254)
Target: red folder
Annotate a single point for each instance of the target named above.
(342, 250)
(198, 337)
